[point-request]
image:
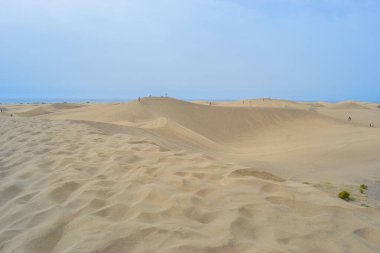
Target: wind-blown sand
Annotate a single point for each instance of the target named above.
(166, 175)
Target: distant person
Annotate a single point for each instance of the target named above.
(349, 118)
(139, 99)
(11, 115)
(1, 110)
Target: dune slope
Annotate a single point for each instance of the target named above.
(283, 140)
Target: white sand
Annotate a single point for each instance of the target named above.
(170, 176)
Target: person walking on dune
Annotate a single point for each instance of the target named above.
(349, 118)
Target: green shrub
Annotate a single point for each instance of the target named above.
(363, 187)
(344, 195)
(361, 191)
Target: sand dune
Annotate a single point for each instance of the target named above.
(166, 175)
(348, 105)
(37, 111)
(281, 140)
(261, 102)
(45, 109)
(61, 106)
(217, 123)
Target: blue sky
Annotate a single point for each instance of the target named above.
(216, 49)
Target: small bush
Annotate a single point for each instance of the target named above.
(361, 191)
(344, 195)
(363, 187)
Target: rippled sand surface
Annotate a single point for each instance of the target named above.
(165, 175)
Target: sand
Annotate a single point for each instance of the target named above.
(165, 175)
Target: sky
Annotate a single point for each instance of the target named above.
(190, 49)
